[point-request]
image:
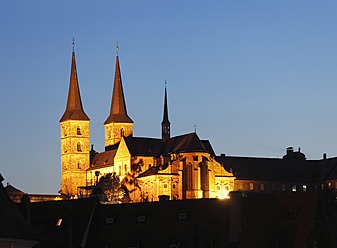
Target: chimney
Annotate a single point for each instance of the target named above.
(290, 150)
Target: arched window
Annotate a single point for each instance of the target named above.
(122, 132)
(79, 131)
(79, 147)
(125, 169)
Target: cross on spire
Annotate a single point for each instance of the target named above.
(117, 47)
(118, 111)
(74, 109)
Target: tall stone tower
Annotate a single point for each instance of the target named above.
(165, 125)
(74, 138)
(118, 124)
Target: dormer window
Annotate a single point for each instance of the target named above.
(79, 131)
(79, 147)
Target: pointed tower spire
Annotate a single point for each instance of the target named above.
(165, 125)
(74, 109)
(118, 111)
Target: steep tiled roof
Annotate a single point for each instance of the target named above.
(152, 147)
(12, 190)
(118, 111)
(103, 159)
(184, 143)
(150, 172)
(74, 109)
(155, 171)
(144, 146)
(12, 223)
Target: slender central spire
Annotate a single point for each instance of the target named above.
(118, 111)
(74, 108)
(165, 123)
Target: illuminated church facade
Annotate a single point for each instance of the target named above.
(181, 167)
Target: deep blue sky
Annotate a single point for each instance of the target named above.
(254, 76)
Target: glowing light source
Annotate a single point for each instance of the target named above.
(223, 195)
(59, 222)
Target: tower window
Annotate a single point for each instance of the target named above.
(122, 132)
(79, 131)
(79, 147)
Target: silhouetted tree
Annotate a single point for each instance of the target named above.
(110, 185)
(129, 184)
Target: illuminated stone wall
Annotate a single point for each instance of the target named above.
(74, 155)
(115, 131)
(188, 176)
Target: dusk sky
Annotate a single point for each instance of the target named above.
(254, 76)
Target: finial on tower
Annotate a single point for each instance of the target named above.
(73, 43)
(195, 128)
(117, 47)
(165, 83)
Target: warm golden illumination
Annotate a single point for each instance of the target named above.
(224, 195)
(59, 222)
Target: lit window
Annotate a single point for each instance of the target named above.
(262, 186)
(59, 222)
(283, 187)
(304, 188)
(240, 186)
(293, 188)
(251, 186)
(329, 185)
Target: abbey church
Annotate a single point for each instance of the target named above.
(181, 167)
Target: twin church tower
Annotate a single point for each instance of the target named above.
(75, 153)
